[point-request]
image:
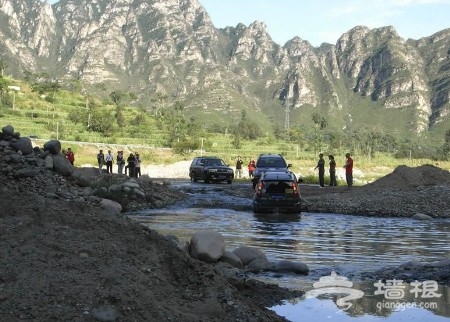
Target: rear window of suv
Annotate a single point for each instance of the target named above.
(278, 186)
(271, 162)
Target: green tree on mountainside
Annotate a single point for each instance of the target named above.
(183, 134)
(159, 104)
(246, 129)
(3, 90)
(42, 83)
(3, 66)
(103, 122)
(445, 149)
(447, 141)
(117, 97)
(320, 122)
(236, 142)
(175, 123)
(120, 118)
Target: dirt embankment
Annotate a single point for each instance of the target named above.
(65, 258)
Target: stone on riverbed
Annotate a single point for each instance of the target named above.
(438, 271)
(207, 246)
(232, 259)
(248, 254)
(419, 216)
(293, 267)
(112, 207)
(261, 264)
(442, 263)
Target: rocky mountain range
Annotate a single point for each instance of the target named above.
(370, 77)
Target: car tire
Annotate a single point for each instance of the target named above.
(229, 181)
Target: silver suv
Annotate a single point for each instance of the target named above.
(269, 163)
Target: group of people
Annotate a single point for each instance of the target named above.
(332, 169)
(131, 165)
(250, 167)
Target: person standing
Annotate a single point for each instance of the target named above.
(239, 163)
(70, 156)
(251, 167)
(100, 160)
(109, 161)
(321, 167)
(348, 170)
(333, 181)
(120, 162)
(137, 166)
(130, 165)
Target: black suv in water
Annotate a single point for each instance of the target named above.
(277, 191)
(269, 163)
(210, 169)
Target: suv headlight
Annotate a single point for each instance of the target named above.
(230, 171)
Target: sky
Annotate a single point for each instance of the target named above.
(319, 21)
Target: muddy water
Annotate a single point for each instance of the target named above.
(327, 243)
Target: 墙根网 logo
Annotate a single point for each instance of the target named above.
(335, 284)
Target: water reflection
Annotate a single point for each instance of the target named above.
(325, 242)
(339, 242)
(370, 307)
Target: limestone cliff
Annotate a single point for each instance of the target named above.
(171, 47)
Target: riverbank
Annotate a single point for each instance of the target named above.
(65, 256)
(68, 261)
(404, 192)
(68, 255)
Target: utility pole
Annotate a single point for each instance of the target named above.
(14, 89)
(201, 149)
(286, 119)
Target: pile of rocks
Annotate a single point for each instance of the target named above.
(209, 246)
(46, 173)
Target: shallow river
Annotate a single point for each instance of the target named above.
(346, 245)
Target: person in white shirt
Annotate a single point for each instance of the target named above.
(137, 166)
(109, 161)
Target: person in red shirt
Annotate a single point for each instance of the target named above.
(251, 167)
(70, 156)
(349, 170)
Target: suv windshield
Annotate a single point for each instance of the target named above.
(213, 162)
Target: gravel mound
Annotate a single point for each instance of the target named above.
(408, 177)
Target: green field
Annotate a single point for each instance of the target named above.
(163, 132)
